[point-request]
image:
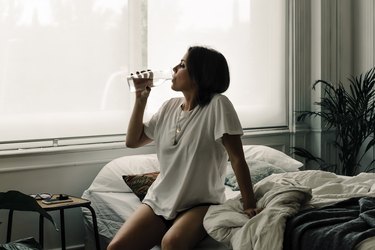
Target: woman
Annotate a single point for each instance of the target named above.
(194, 137)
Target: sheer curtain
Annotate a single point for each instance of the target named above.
(63, 63)
(252, 36)
(62, 67)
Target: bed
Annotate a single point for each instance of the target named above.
(280, 185)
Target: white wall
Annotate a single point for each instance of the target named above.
(363, 44)
(342, 45)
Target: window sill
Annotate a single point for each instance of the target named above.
(101, 143)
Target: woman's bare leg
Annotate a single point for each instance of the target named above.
(187, 230)
(142, 230)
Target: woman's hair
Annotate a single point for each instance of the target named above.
(209, 69)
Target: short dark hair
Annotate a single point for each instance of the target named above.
(209, 69)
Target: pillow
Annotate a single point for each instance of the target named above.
(258, 171)
(139, 183)
(272, 156)
(109, 178)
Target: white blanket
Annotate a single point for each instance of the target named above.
(281, 196)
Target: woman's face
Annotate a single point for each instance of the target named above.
(181, 79)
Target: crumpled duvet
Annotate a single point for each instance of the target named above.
(281, 196)
(228, 224)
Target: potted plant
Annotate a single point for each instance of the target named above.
(350, 111)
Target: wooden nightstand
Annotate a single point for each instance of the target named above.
(77, 202)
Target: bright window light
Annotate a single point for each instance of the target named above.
(63, 62)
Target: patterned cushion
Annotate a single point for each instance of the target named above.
(140, 183)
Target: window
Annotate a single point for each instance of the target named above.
(63, 63)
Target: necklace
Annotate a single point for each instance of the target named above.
(178, 125)
(183, 118)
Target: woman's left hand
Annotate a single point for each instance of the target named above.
(251, 212)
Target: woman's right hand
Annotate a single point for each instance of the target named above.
(143, 94)
(142, 84)
(251, 212)
(135, 136)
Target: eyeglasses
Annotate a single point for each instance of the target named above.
(41, 196)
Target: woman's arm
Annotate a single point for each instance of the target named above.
(233, 145)
(136, 136)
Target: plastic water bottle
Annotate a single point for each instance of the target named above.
(140, 80)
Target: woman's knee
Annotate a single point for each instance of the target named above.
(128, 244)
(172, 240)
(113, 245)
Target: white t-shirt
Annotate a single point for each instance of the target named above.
(193, 161)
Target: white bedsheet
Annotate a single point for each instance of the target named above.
(283, 195)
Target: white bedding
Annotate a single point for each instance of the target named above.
(282, 195)
(114, 201)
